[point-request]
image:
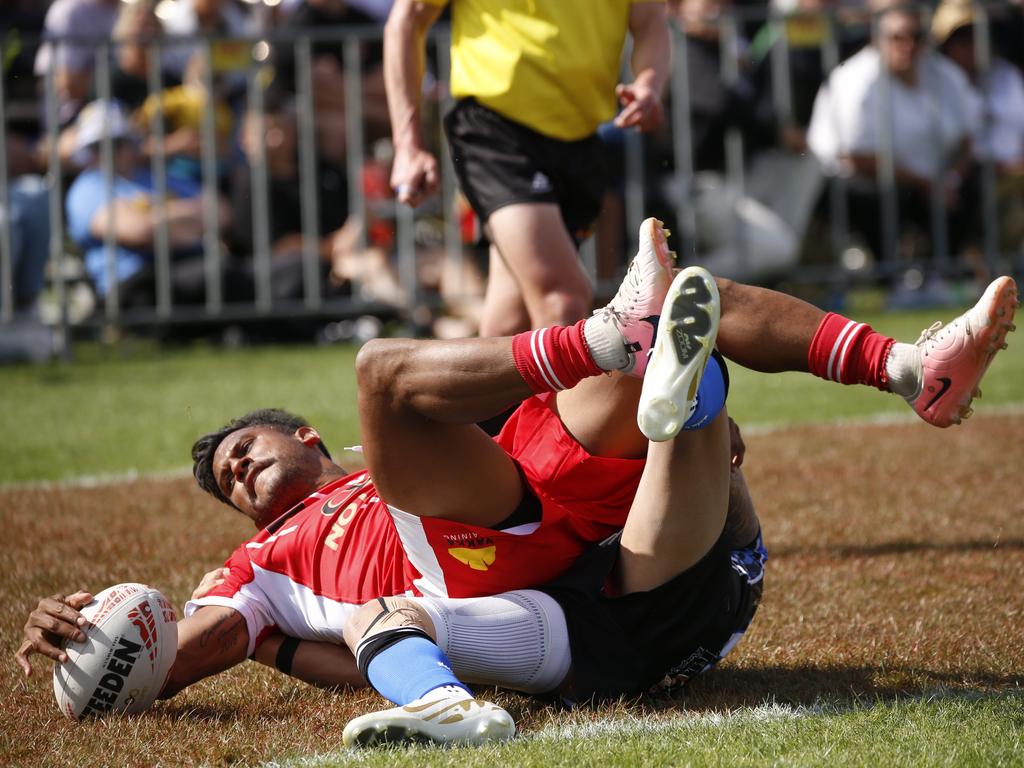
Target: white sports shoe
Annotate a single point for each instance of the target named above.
(621, 334)
(444, 720)
(686, 338)
(955, 357)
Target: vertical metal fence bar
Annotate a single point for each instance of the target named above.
(56, 213)
(355, 151)
(453, 249)
(6, 246)
(782, 88)
(989, 198)
(634, 166)
(260, 201)
(734, 171)
(307, 174)
(938, 216)
(112, 301)
(158, 166)
(886, 170)
(211, 201)
(633, 162)
(682, 147)
(839, 218)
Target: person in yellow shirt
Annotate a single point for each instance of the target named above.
(532, 80)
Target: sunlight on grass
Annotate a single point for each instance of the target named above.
(138, 410)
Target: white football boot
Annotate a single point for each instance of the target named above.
(620, 335)
(685, 340)
(455, 719)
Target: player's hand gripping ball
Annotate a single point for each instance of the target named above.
(130, 645)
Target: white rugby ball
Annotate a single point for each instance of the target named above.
(130, 645)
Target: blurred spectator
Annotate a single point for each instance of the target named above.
(328, 73)
(343, 262)
(136, 30)
(21, 22)
(135, 217)
(997, 99)
(896, 92)
(751, 233)
(223, 19)
(27, 219)
(73, 62)
(183, 107)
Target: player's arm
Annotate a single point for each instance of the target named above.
(211, 640)
(651, 63)
(325, 665)
(414, 173)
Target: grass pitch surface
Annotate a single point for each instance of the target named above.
(889, 632)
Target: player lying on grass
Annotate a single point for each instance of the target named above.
(328, 543)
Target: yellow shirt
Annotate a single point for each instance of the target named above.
(551, 65)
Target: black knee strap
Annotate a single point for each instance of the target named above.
(369, 647)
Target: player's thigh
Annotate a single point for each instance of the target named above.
(454, 471)
(537, 249)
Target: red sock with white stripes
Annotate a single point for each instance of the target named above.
(849, 352)
(552, 359)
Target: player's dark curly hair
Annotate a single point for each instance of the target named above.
(204, 448)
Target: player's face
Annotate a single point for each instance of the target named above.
(265, 472)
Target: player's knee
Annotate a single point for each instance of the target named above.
(378, 364)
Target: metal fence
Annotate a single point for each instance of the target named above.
(833, 267)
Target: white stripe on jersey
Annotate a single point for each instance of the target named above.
(274, 599)
(420, 553)
(274, 537)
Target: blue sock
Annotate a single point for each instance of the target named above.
(410, 668)
(710, 395)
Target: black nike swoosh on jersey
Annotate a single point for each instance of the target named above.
(945, 386)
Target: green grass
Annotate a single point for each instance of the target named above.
(126, 410)
(941, 730)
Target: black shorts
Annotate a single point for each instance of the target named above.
(622, 646)
(500, 162)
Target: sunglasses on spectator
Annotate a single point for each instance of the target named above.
(904, 37)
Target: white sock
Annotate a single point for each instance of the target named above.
(904, 370)
(604, 340)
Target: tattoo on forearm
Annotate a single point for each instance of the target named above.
(224, 633)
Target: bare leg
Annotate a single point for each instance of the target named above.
(538, 251)
(765, 330)
(418, 402)
(680, 507)
(504, 312)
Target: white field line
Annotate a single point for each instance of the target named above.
(585, 728)
(765, 428)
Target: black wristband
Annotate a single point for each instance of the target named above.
(286, 654)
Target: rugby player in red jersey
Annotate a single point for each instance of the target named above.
(418, 402)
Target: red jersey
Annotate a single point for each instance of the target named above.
(343, 546)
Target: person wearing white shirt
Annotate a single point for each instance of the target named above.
(895, 93)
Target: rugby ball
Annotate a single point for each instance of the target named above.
(130, 645)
